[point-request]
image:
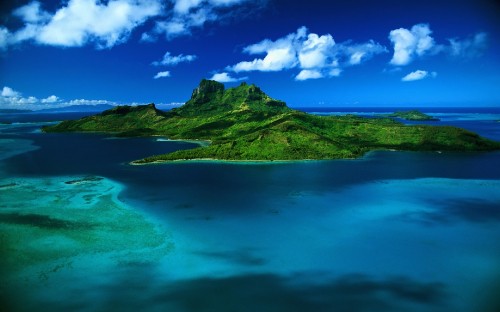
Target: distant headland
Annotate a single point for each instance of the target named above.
(413, 115)
(245, 124)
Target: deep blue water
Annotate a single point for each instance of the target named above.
(392, 231)
(381, 109)
(40, 117)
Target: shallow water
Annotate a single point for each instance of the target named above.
(393, 231)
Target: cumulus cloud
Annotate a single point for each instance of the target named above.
(19, 101)
(187, 15)
(358, 53)
(276, 59)
(418, 75)
(172, 60)
(162, 74)
(280, 54)
(184, 6)
(168, 106)
(79, 22)
(410, 43)
(470, 47)
(306, 74)
(225, 77)
(315, 51)
(335, 72)
(50, 99)
(88, 102)
(317, 56)
(4, 38)
(9, 92)
(11, 99)
(32, 13)
(108, 23)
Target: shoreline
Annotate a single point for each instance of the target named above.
(202, 143)
(284, 161)
(229, 161)
(242, 162)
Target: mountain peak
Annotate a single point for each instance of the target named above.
(206, 91)
(211, 97)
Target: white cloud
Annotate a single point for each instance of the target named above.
(184, 6)
(11, 99)
(418, 75)
(315, 51)
(4, 38)
(317, 56)
(280, 54)
(50, 99)
(306, 74)
(87, 102)
(225, 2)
(409, 44)
(32, 13)
(473, 46)
(417, 42)
(335, 72)
(9, 92)
(106, 23)
(173, 28)
(79, 22)
(225, 77)
(172, 60)
(358, 53)
(168, 106)
(187, 15)
(356, 57)
(89, 20)
(23, 100)
(276, 59)
(162, 74)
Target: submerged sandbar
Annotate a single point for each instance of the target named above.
(63, 224)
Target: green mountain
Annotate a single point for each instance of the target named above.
(244, 123)
(210, 98)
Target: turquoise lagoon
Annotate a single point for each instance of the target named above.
(393, 231)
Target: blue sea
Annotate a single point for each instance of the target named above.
(391, 231)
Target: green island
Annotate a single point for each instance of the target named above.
(412, 115)
(245, 124)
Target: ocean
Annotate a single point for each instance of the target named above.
(392, 231)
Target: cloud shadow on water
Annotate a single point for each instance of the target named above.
(450, 211)
(243, 257)
(267, 292)
(140, 289)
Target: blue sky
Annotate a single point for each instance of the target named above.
(308, 53)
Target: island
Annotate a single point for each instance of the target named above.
(245, 124)
(412, 115)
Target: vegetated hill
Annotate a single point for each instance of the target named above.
(413, 115)
(122, 120)
(244, 123)
(210, 98)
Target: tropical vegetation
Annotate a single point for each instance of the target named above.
(245, 124)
